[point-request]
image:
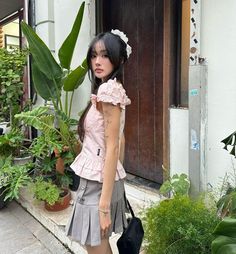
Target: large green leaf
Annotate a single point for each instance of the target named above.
(227, 249)
(66, 51)
(45, 87)
(226, 227)
(40, 118)
(225, 241)
(41, 54)
(76, 77)
(221, 243)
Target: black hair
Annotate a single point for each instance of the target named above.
(116, 51)
(117, 54)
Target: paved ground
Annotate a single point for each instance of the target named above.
(20, 233)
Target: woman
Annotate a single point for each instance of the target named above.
(99, 207)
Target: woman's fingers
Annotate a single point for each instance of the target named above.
(105, 223)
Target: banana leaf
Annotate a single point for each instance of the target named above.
(66, 51)
(76, 77)
(41, 54)
(45, 87)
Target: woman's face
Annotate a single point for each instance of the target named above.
(101, 64)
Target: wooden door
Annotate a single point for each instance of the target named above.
(143, 22)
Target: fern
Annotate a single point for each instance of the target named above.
(13, 177)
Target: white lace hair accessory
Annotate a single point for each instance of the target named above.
(124, 38)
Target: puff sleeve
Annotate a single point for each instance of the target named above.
(113, 92)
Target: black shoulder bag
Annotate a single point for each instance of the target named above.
(131, 239)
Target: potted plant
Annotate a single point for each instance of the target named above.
(43, 119)
(55, 198)
(42, 151)
(12, 143)
(12, 178)
(51, 80)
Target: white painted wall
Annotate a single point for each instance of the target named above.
(44, 27)
(218, 43)
(179, 140)
(63, 13)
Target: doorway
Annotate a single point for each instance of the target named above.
(149, 78)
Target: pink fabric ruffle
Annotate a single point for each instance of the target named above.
(112, 92)
(92, 169)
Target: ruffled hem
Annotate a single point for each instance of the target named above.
(92, 169)
(112, 92)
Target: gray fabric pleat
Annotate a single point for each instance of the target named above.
(84, 225)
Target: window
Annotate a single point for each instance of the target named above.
(11, 33)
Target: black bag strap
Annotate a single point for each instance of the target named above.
(129, 206)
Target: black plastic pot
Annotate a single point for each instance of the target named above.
(75, 179)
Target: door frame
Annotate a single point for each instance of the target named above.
(171, 46)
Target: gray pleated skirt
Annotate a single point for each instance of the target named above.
(84, 225)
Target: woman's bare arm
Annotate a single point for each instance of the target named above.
(122, 148)
(112, 125)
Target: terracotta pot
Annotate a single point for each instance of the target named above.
(60, 205)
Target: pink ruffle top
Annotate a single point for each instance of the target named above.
(89, 163)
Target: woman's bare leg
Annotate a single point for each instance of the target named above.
(104, 248)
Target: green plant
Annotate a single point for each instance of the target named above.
(43, 120)
(176, 185)
(225, 237)
(13, 177)
(64, 180)
(225, 232)
(179, 225)
(11, 143)
(11, 85)
(227, 202)
(50, 78)
(46, 191)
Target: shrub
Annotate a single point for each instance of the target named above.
(179, 226)
(11, 84)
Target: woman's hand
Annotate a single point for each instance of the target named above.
(105, 222)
